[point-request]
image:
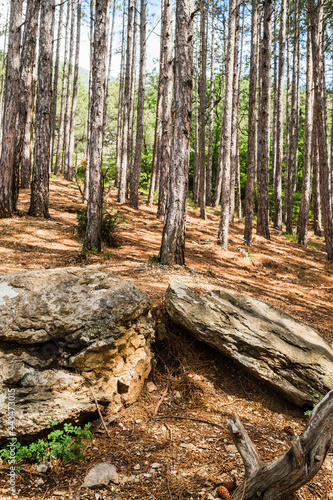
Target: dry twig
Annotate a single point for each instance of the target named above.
(192, 419)
(161, 400)
(99, 412)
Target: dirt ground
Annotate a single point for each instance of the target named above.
(189, 456)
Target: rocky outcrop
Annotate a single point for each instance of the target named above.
(62, 331)
(285, 353)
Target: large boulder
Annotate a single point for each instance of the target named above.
(63, 331)
(281, 351)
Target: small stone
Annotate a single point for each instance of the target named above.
(156, 465)
(178, 395)
(101, 475)
(137, 467)
(231, 448)
(43, 467)
(39, 481)
(151, 387)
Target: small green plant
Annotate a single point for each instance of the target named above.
(314, 396)
(107, 255)
(153, 258)
(211, 272)
(66, 444)
(247, 248)
(110, 225)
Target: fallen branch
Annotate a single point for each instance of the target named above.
(161, 400)
(192, 419)
(99, 412)
(280, 479)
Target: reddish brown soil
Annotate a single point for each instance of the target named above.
(210, 387)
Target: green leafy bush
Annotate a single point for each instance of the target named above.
(65, 444)
(110, 225)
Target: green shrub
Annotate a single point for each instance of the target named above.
(65, 444)
(110, 225)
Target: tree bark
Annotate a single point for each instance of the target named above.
(264, 125)
(107, 82)
(280, 479)
(277, 219)
(252, 126)
(317, 219)
(211, 113)
(202, 109)
(26, 93)
(74, 96)
(67, 117)
(92, 238)
(158, 127)
(39, 202)
(172, 249)
(134, 193)
(120, 106)
(234, 124)
(55, 83)
(196, 126)
(303, 218)
(316, 13)
(166, 129)
(63, 95)
(132, 99)
(238, 173)
(126, 109)
(225, 141)
(12, 83)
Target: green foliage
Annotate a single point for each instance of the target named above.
(66, 444)
(153, 258)
(314, 396)
(110, 225)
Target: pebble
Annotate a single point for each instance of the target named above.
(101, 475)
(137, 467)
(156, 465)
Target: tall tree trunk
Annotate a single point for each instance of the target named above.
(317, 25)
(63, 94)
(166, 132)
(39, 202)
(132, 98)
(225, 141)
(126, 108)
(238, 173)
(74, 97)
(303, 218)
(92, 238)
(288, 197)
(3, 61)
(120, 106)
(26, 93)
(251, 141)
(287, 102)
(234, 125)
(86, 178)
(107, 83)
(158, 127)
(172, 249)
(202, 109)
(264, 125)
(67, 117)
(196, 129)
(12, 85)
(134, 193)
(317, 222)
(26, 157)
(277, 219)
(55, 83)
(211, 113)
(275, 78)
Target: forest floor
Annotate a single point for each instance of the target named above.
(188, 456)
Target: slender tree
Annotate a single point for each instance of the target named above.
(264, 124)
(211, 112)
(172, 250)
(277, 219)
(63, 93)
(134, 194)
(55, 81)
(26, 93)
(252, 126)
(166, 129)
(92, 238)
(126, 108)
(39, 202)
(202, 109)
(227, 126)
(108, 77)
(12, 83)
(303, 217)
(120, 105)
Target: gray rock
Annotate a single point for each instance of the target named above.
(64, 331)
(101, 475)
(43, 467)
(285, 353)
